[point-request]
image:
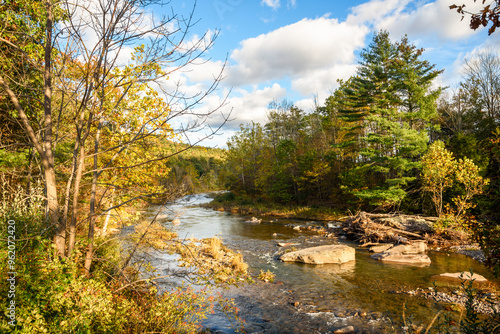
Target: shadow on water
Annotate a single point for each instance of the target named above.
(322, 297)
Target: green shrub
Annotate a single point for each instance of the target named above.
(53, 295)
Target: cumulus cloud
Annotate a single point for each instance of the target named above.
(375, 10)
(205, 71)
(242, 107)
(433, 19)
(293, 50)
(246, 105)
(322, 82)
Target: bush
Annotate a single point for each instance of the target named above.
(53, 295)
(225, 197)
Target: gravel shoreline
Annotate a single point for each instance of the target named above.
(485, 303)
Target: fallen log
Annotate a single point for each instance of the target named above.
(368, 244)
(366, 230)
(393, 215)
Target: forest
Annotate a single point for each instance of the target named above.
(387, 140)
(86, 142)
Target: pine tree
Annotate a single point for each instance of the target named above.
(389, 106)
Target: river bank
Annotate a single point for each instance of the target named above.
(316, 298)
(322, 218)
(228, 202)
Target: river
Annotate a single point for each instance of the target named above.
(307, 298)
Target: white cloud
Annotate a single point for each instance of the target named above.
(308, 104)
(456, 70)
(243, 106)
(432, 20)
(322, 82)
(296, 49)
(375, 10)
(204, 71)
(274, 4)
(246, 105)
(197, 42)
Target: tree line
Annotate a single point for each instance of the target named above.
(387, 139)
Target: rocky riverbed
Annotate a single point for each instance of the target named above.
(354, 296)
(484, 302)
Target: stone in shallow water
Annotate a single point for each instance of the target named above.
(321, 255)
(402, 258)
(413, 248)
(465, 276)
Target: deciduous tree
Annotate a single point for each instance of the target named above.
(77, 54)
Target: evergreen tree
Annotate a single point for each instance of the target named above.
(389, 106)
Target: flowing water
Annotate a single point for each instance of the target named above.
(313, 298)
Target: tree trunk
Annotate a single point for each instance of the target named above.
(69, 183)
(90, 249)
(50, 175)
(47, 160)
(76, 194)
(28, 182)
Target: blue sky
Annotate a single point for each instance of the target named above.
(297, 49)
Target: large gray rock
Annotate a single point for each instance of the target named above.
(413, 248)
(321, 255)
(419, 259)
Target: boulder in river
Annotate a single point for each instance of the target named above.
(321, 255)
(413, 248)
(284, 244)
(176, 221)
(254, 220)
(456, 279)
(464, 276)
(419, 259)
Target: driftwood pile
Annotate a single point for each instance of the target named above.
(387, 228)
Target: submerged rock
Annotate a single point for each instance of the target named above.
(321, 255)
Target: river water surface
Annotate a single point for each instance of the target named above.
(308, 298)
